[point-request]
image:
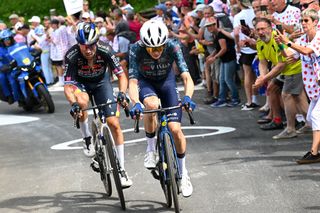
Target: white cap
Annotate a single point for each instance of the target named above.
(35, 19)
(18, 25)
(98, 19)
(200, 7)
(85, 15)
(13, 16)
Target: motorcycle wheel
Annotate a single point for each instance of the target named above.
(45, 98)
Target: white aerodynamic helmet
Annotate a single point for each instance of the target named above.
(154, 33)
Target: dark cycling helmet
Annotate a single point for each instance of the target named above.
(154, 33)
(87, 33)
(6, 34)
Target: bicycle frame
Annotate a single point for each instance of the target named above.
(162, 130)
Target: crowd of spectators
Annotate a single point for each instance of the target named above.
(268, 47)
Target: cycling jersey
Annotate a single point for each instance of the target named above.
(78, 70)
(141, 64)
(156, 77)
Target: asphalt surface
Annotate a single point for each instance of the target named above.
(241, 170)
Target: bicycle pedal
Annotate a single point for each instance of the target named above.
(94, 168)
(155, 174)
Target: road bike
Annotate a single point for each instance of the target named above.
(106, 153)
(167, 168)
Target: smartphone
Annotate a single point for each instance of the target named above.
(264, 10)
(279, 27)
(243, 22)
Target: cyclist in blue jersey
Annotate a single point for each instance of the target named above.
(151, 78)
(89, 66)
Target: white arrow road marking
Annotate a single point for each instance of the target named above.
(219, 130)
(15, 119)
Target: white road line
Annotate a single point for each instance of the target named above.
(218, 130)
(15, 119)
(180, 88)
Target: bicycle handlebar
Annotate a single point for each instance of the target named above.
(136, 123)
(76, 120)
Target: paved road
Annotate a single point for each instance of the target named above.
(243, 170)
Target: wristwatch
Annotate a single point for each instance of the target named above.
(289, 44)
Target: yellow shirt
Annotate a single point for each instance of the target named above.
(271, 52)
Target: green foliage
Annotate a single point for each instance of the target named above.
(28, 8)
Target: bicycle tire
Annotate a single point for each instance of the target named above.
(114, 165)
(101, 155)
(172, 170)
(162, 167)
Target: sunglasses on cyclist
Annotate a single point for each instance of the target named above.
(306, 5)
(86, 47)
(155, 49)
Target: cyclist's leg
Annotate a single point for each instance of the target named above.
(149, 99)
(169, 96)
(102, 93)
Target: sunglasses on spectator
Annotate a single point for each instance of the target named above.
(306, 5)
(168, 4)
(155, 49)
(304, 20)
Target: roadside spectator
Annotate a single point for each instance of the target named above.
(247, 54)
(293, 95)
(102, 29)
(134, 25)
(44, 45)
(14, 18)
(125, 6)
(307, 48)
(86, 17)
(22, 31)
(160, 11)
(226, 52)
(86, 9)
(56, 51)
(35, 22)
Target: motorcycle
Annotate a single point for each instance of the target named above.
(27, 70)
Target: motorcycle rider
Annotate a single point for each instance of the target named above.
(7, 40)
(5, 89)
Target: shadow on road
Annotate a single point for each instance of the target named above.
(78, 201)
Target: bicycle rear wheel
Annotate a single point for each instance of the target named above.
(171, 171)
(102, 159)
(115, 167)
(162, 167)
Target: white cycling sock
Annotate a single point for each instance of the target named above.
(182, 165)
(84, 128)
(151, 144)
(120, 152)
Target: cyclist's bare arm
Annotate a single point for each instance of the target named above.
(69, 93)
(188, 84)
(133, 90)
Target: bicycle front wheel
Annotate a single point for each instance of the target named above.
(102, 159)
(115, 166)
(171, 170)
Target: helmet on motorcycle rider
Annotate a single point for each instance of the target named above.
(87, 33)
(154, 33)
(6, 35)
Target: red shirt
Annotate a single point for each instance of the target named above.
(135, 27)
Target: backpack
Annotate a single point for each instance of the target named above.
(130, 35)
